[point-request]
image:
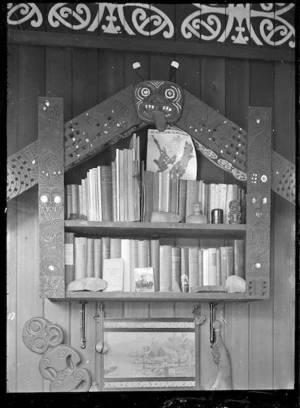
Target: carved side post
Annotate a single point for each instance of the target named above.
(258, 203)
(51, 196)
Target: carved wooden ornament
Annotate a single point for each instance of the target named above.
(59, 363)
(219, 139)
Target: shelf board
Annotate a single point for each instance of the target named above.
(155, 296)
(155, 229)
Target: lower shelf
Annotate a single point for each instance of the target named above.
(156, 296)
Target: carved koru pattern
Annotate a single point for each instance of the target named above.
(283, 177)
(258, 202)
(59, 361)
(99, 127)
(60, 367)
(51, 197)
(22, 170)
(39, 334)
(158, 102)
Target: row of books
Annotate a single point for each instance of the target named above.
(109, 193)
(171, 194)
(174, 269)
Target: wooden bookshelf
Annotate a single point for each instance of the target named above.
(156, 229)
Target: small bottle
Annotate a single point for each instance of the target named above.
(94, 387)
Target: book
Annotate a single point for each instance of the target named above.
(229, 261)
(174, 194)
(83, 210)
(193, 262)
(97, 188)
(89, 196)
(90, 258)
(68, 200)
(205, 267)
(121, 186)
(133, 262)
(74, 201)
(156, 191)
(184, 264)
(143, 253)
(218, 255)
(106, 193)
(212, 266)
(165, 268)
(97, 258)
(125, 255)
(175, 259)
(105, 254)
(117, 185)
(144, 279)
(165, 192)
(130, 193)
(99, 193)
(80, 246)
(223, 254)
(115, 248)
(200, 267)
(114, 189)
(69, 257)
(191, 196)
(113, 274)
(125, 183)
(182, 199)
(154, 261)
(239, 257)
(148, 195)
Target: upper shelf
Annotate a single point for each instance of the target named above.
(155, 229)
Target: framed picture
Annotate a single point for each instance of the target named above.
(149, 354)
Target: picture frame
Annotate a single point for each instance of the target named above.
(150, 354)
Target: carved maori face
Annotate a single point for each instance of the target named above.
(259, 202)
(158, 102)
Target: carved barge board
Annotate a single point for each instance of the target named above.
(258, 203)
(51, 196)
(219, 139)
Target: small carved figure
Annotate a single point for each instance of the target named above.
(197, 217)
(234, 214)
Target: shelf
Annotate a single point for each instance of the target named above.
(155, 229)
(156, 296)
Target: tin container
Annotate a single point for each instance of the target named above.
(217, 216)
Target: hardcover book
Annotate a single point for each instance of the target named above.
(113, 274)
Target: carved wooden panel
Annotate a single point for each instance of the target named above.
(39, 334)
(283, 177)
(51, 196)
(101, 126)
(258, 202)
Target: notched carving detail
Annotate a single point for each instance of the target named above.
(39, 334)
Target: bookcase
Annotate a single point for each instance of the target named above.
(59, 150)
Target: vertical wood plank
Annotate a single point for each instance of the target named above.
(237, 320)
(284, 233)
(31, 85)
(261, 313)
(12, 211)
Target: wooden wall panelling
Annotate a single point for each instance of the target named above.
(12, 211)
(213, 94)
(283, 236)
(31, 85)
(58, 67)
(261, 80)
(237, 330)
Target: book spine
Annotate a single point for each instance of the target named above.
(121, 185)
(105, 250)
(239, 257)
(118, 184)
(133, 262)
(75, 200)
(182, 199)
(143, 253)
(200, 267)
(89, 194)
(193, 266)
(68, 201)
(174, 181)
(97, 258)
(90, 258)
(125, 255)
(114, 189)
(69, 257)
(165, 204)
(205, 268)
(191, 196)
(125, 187)
(130, 203)
(106, 193)
(156, 191)
(84, 193)
(80, 203)
(148, 194)
(223, 252)
(184, 278)
(115, 248)
(175, 257)
(230, 261)
(160, 191)
(154, 255)
(99, 198)
(212, 266)
(165, 268)
(80, 244)
(218, 259)
(95, 182)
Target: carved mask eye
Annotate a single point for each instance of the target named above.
(253, 200)
(44, 198)
(264, 200)
(170, 93)
(145, 92)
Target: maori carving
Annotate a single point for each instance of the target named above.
(220, 140)
(51, 197)
(223, 380)
(59, 362)
(265, 23)
(258, 202)
(158, 102)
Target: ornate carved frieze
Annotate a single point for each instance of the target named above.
(242, 24)
(258, 202)
(51, 196)
(59, 363)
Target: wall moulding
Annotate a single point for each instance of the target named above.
(263, 24)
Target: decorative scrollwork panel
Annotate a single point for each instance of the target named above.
(51, 196)
(258, 202)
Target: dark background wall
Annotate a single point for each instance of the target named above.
(259, 335)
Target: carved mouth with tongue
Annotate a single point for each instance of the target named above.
(158, 102)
